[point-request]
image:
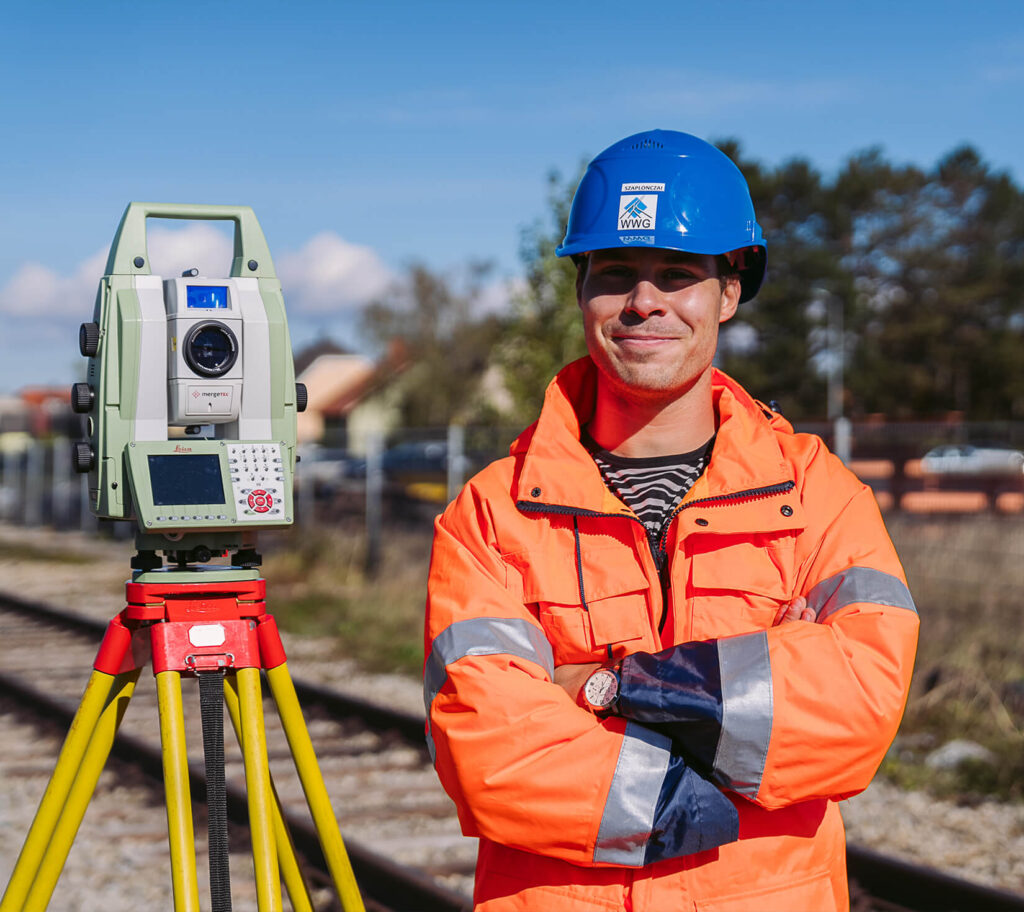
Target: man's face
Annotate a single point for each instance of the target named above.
(651, 318)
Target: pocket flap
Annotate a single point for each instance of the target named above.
(555, 578)
(618, 618)
(741, 567)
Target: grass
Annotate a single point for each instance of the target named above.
(317, 584)
(966, 574)
(23, 551)
(967, 577)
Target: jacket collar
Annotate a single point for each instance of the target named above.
(557, 471)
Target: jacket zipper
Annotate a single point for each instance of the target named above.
(783, 487)
(663, 575)
(716, 501)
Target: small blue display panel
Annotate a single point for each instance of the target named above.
(206, 296)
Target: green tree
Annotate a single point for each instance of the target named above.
(545, 331)
(925, 265)
(780, 329)
(942, 294)
(442, 345)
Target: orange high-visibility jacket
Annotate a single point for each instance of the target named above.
(714, 785)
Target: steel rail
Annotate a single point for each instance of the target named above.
(395, 887)
(374, 715)
(895, 883)
(916, 887)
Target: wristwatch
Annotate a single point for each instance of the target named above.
(601, 690)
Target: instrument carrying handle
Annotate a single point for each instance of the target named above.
(129, 253)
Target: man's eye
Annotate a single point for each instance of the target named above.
(679, 275)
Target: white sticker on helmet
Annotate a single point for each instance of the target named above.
(637, 212)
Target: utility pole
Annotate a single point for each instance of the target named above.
(456, 459)
(842, 437)
(374, 500)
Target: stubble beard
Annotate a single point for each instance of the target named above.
(651, 380)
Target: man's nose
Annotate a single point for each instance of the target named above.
(645, 299)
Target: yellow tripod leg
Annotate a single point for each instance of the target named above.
(291, 873)
(184, 880)
(257, 784)
(98, 710)
(283, 689)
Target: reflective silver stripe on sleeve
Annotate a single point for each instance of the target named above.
(482, 636)
(858, 584)
(747, 708)
(633, 797)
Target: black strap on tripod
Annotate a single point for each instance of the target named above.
(211, 706)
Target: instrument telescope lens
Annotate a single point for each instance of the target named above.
(210, 348)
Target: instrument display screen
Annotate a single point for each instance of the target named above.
(185, 479)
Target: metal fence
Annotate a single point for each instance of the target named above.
(411, 474)
(39, 488)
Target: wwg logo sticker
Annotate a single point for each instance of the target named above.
(638, 211)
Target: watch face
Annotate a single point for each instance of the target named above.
(601, 688)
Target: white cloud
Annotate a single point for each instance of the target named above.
(697, 94)
(326, 274)
(206, 246)
(37, 291)
(329, 273)
(998, 60)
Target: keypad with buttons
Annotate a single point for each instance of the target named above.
(257, 480)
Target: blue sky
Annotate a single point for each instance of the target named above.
(367, 136)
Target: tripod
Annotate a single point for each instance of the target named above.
(211, 623)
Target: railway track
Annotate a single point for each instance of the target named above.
(399, 826)
(400, 829)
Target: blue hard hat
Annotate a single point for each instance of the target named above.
(669, 190)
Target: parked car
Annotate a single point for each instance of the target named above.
(327, 469)
(417, 469)
(966, 459)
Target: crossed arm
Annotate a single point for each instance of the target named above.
(571, 678)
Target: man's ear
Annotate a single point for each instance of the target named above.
(730, 299)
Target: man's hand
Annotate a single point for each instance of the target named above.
(796, 610)
(571, 678)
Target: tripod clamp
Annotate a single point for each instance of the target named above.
(194, 626)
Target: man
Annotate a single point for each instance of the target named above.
(666, 634)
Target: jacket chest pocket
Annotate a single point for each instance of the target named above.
(739, 587)
(612, 618)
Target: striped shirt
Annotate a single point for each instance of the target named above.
(651, 487)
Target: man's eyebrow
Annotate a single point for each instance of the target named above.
(687, 259)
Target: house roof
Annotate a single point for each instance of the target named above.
(309, 354)
(335, 382)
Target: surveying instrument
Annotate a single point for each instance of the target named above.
(191, 402)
